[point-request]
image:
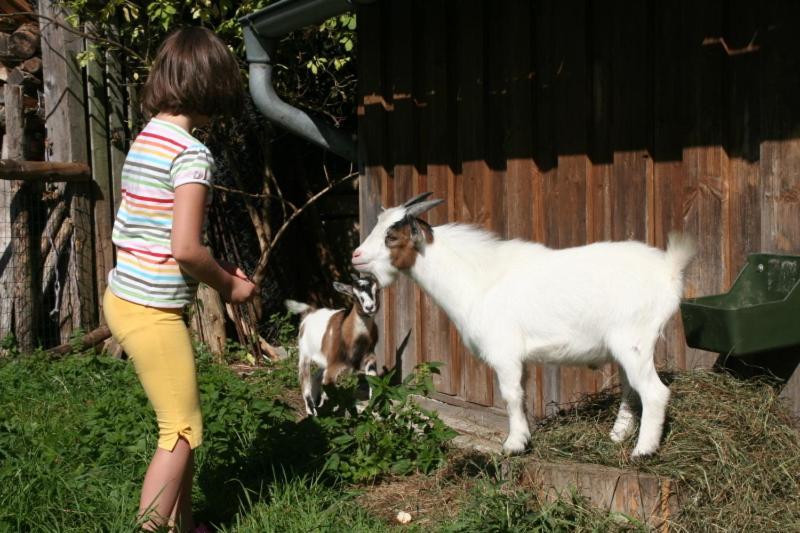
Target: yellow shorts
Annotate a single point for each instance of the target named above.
(158, 343)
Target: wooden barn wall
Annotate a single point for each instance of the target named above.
(568, 122)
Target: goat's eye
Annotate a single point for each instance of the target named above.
(390, 239)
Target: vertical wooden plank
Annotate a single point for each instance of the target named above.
(498, 129)
(433, 100)
(780, 114)
(66, 141)
(743, 137)
(100, 160)
(515, 57)
(630, 127)
(477, 380)
(780, 146)
(670, 76)
(600, 206)
(706, 197)
(566, 191)
(401, 131)
(371, 134)
(601, 20)
(547, 377)
(115, 97)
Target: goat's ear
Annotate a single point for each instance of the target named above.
(343, 288)
(417, 235)
(415, 200)
(354, 276)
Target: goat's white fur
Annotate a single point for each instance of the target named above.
(514, 301)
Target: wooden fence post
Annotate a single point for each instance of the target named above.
(101, 175)
(116, 121)
(24, 252)
(66, 141)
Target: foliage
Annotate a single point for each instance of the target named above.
(497, 508)
(391, 434)
(9, 345)
(283, 329)
(314, 65)
(76, 435)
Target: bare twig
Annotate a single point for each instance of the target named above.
(255, 195)
(263, 262)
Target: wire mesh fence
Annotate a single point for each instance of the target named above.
(39, 267)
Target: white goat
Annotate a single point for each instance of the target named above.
(337, 341)
(514, 301)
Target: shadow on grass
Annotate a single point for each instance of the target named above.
(281, 450)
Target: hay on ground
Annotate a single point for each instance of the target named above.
(731, 443)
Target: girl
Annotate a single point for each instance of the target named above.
(160, 258)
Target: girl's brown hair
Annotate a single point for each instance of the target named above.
(194, 73)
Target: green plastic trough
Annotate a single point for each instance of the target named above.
(760, 312)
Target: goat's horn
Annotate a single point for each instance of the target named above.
(416, 199)
(421, 207)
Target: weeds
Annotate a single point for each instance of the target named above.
(392, 434)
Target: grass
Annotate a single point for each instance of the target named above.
(76, 435)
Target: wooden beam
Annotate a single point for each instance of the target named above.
(44, 171)
(90, 340)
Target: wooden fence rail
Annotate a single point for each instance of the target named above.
(44, 171)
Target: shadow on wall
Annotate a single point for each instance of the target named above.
(574, 78)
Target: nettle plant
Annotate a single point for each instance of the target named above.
(391, 435)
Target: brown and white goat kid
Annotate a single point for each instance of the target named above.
(337, 340)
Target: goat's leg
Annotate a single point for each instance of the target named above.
(306, 384)
(316, 388)
(509, 376)
(332, 372)
(637, 362)
(623, 425)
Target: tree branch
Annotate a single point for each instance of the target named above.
(263, 262)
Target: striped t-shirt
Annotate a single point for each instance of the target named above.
(163, 157)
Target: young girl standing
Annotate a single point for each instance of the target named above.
(160, 256)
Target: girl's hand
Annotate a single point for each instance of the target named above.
(239, 290)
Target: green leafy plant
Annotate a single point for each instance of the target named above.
(8, 345)
(284, 331)
(235, 352)
(392, 434)
(76, 340)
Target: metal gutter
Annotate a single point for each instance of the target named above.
(262, 30)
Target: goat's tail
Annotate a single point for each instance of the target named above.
(681, 249)
(297, 308)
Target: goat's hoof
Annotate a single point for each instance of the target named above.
(515, 445)
(619, 436)
(643, 453)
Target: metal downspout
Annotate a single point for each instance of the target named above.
(261, 32)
